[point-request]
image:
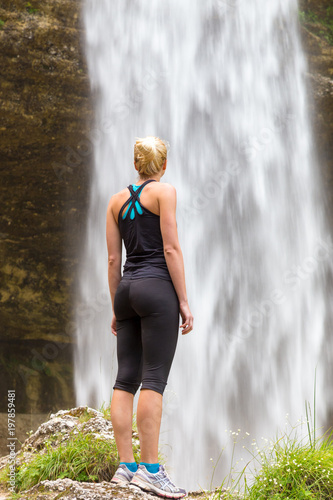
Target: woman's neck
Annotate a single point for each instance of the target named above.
(141, 180)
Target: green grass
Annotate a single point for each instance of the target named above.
(106, 411)
(293, 467)
(83, 457)
(85, 416)
(321, 25)
(4, 474)
(2, 22)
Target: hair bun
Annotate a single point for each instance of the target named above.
(149, 154)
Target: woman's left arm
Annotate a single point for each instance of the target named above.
(113, 240)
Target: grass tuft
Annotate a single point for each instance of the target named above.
(84, 457)
(288, 469)
(292, 469)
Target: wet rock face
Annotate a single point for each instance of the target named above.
(45, 107)
(319, 53)
(45, 159)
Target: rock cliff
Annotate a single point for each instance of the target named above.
(316, 17)
(46, 107)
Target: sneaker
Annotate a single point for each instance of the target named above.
(158, 483)
(123, 475)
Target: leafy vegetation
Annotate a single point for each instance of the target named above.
(84, 457)
(31, 9)
(320, 24)
(293, 467)
(290, 469)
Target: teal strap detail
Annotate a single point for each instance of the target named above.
(127, 209)
(137, 205)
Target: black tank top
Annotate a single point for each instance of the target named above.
(140, 230)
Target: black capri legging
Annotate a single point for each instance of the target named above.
(147, 313)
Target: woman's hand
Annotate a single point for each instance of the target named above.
(114, 326)
(187, 318)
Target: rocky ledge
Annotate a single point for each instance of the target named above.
(66, 489)
(56, 432)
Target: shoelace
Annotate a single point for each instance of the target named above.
(165, 480)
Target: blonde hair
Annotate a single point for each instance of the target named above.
(150, 154)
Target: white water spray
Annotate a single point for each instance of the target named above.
(223, 82)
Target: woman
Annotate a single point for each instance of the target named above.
(146, 302)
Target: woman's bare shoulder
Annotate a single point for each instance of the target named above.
(166, 188)
(167, 194)
(117, 196)
(116, 201)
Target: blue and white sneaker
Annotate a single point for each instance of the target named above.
(123, 475)
(158, 483)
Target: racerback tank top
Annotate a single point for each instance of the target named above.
(140, 230)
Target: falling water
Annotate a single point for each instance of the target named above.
(223, 82)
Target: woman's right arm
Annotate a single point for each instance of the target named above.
(173, 253)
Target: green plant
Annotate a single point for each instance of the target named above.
(293, 467)
(105, 410)
(4, 474)
(289, 468)
(84, 457)
(85, 416)
(1, 23)
(229, 483)
(320, 24)
(29, 8)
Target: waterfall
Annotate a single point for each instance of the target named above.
(223, 82)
